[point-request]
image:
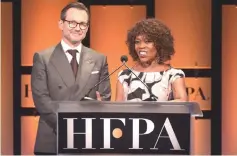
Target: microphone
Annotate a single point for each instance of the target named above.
(123, 59)
(152, 96)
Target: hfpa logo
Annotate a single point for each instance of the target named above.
(197, 93)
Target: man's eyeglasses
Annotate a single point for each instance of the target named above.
(73, 24)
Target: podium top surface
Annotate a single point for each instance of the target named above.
(130, 107)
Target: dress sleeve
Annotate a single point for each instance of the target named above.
(176, 74)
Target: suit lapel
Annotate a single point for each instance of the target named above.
(60, 61)
(85, 67)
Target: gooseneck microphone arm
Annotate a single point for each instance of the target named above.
(104, 79)
(123, 59)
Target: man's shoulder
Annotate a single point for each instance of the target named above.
(45, 54)
(47, 51)
(94, 53)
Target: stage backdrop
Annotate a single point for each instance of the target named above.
(229, 80)
(6, 79)
(190, 22)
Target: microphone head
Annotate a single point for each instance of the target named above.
(124, 58)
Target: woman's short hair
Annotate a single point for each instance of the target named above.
(155, 31)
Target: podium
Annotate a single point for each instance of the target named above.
(125, 128)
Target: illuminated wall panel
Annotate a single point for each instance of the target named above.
(6, 80)
(229, 81)
(39, 31)
(189, 20)
(29, 125)
(0, 85)
(39, 26)
(190, 23)
(26, 93)
(201, 137)
(199, 90)
(109, 27)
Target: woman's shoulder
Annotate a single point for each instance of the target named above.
(175, 71)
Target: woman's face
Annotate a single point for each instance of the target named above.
(145, 49)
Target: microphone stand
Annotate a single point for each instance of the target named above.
(86, 97)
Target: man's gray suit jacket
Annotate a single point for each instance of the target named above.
(52, 79)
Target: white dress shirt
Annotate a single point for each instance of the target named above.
(66, 47)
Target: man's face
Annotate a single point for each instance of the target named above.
(75, 26)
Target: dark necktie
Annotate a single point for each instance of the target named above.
(73, 62)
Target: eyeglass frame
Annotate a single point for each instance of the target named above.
(69, 23)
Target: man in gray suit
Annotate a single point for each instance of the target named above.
(66, 72)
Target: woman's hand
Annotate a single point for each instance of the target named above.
(98, 96)
(179, 90)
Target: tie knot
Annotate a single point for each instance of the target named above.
(72, 52)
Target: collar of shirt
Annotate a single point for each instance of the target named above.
(66, 47)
